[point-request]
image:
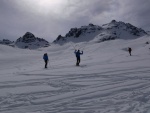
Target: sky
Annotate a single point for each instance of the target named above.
(49, 18)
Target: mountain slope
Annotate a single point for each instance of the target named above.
(108, 81)
(110, 31)
(6, 42)
(31, 42)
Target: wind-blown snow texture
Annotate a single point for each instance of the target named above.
(108, 80)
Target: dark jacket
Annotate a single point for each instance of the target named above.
(45, 56)
(129, 49)
(78, 53)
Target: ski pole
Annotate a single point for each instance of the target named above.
(73, 46)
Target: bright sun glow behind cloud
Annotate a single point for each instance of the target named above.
(47, 6)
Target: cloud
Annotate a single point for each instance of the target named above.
(49, 19)
(137, 12)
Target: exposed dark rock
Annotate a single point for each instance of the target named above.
(30, 41)
(108, 31)
(6, 42)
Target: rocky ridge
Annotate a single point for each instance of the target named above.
(31, 42)
(111, 31)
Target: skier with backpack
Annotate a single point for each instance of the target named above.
(45, 57)
(78, 53)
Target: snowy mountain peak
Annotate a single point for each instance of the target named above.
(113, 21)
(75, 34)
(28, 33)
(28, 37)
(110, 31)
(6, 42)
(30, 41)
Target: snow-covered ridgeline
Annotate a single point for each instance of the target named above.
(110, 31)
(31, 42)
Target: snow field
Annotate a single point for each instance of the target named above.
(108, 81)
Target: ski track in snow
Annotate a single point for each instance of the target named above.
(118, 84)
(102, 92)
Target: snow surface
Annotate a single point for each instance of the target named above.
(108, 80)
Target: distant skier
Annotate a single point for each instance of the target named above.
(129, 49)
(77, 53)
(45, 57)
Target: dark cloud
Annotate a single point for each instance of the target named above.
(137, 12)
(20, 16)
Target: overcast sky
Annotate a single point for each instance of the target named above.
(49, 18)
